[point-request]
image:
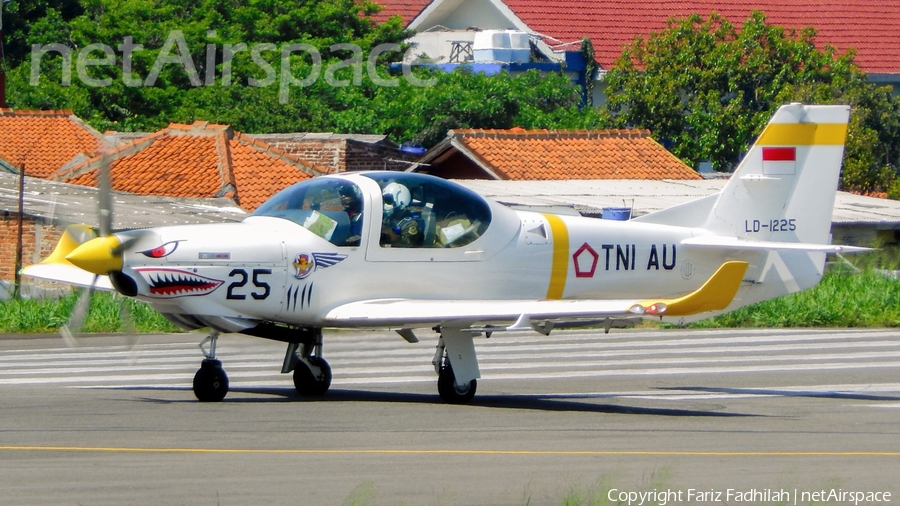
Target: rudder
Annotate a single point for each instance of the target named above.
(784, 188)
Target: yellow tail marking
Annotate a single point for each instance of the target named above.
(803, 134)
(717, 293)
(560, 267)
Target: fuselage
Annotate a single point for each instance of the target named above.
(293, 263)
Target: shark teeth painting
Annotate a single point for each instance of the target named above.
(170, 283)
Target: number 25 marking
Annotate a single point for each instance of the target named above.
(243, 281)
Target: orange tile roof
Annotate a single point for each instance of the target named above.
(869, 26)
(45, 141)
(520, 154)
(199, 160)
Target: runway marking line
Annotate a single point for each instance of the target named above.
(606, 453)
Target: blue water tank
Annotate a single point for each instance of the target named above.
(616, 213)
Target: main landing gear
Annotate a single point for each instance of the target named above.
(210, 382)
(455, 349)
(312, 374)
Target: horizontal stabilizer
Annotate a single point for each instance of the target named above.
(716, 294)
(721, 242)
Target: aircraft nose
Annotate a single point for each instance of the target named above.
(99, 255)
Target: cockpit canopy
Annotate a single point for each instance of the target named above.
(417, 211)
(328, 207)
(420, 211)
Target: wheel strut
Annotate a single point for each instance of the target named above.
(312, 374)
(210, 381)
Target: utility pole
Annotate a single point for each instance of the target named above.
(17, 290)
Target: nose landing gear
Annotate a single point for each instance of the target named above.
(210, 382)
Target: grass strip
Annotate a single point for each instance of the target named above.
(104, 315)
(842, 299)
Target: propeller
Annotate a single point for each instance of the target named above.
(85, 257)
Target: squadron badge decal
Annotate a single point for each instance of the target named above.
(306, 263)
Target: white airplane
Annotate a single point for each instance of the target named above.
(408, 251)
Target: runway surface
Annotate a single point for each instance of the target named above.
(690, 417)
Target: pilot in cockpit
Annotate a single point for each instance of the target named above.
(353, 207)
(401, 227)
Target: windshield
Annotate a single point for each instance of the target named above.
(420, 211)
(329, 208)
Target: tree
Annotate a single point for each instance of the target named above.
(223, 63)
(162, 60)
(705, 89)
(467, 99)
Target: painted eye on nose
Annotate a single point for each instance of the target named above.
(161, 251)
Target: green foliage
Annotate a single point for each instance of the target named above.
(104, 315)
(842, 299)
(705, 89)
(466, 99)
(136, 101)
(249, 91)
(25, 17)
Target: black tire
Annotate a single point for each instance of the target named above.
(450, 392)
(210, 382)
(307, 383)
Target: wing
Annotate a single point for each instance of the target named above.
(716, 294)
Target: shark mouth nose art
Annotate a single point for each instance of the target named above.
(169, 283)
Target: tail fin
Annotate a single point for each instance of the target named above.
(784, 188)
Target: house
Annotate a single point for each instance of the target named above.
(201, 160)
(58, 145)
(519, 154)
(45, 141)
(445, 27)
(342, 152)
(48, 207)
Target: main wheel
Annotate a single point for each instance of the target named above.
(451, 392)
(307, 383)
(210, 382)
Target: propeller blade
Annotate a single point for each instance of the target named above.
(128, 328)
(127, 240)
(76, 318)
(104, 198)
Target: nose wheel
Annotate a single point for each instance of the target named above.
(210, 382)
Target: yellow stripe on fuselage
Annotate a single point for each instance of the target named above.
(803, 134)
(560, 267)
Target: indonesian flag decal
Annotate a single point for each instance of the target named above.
(779, 160)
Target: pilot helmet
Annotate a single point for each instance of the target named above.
(349, 197)
(396, 198)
